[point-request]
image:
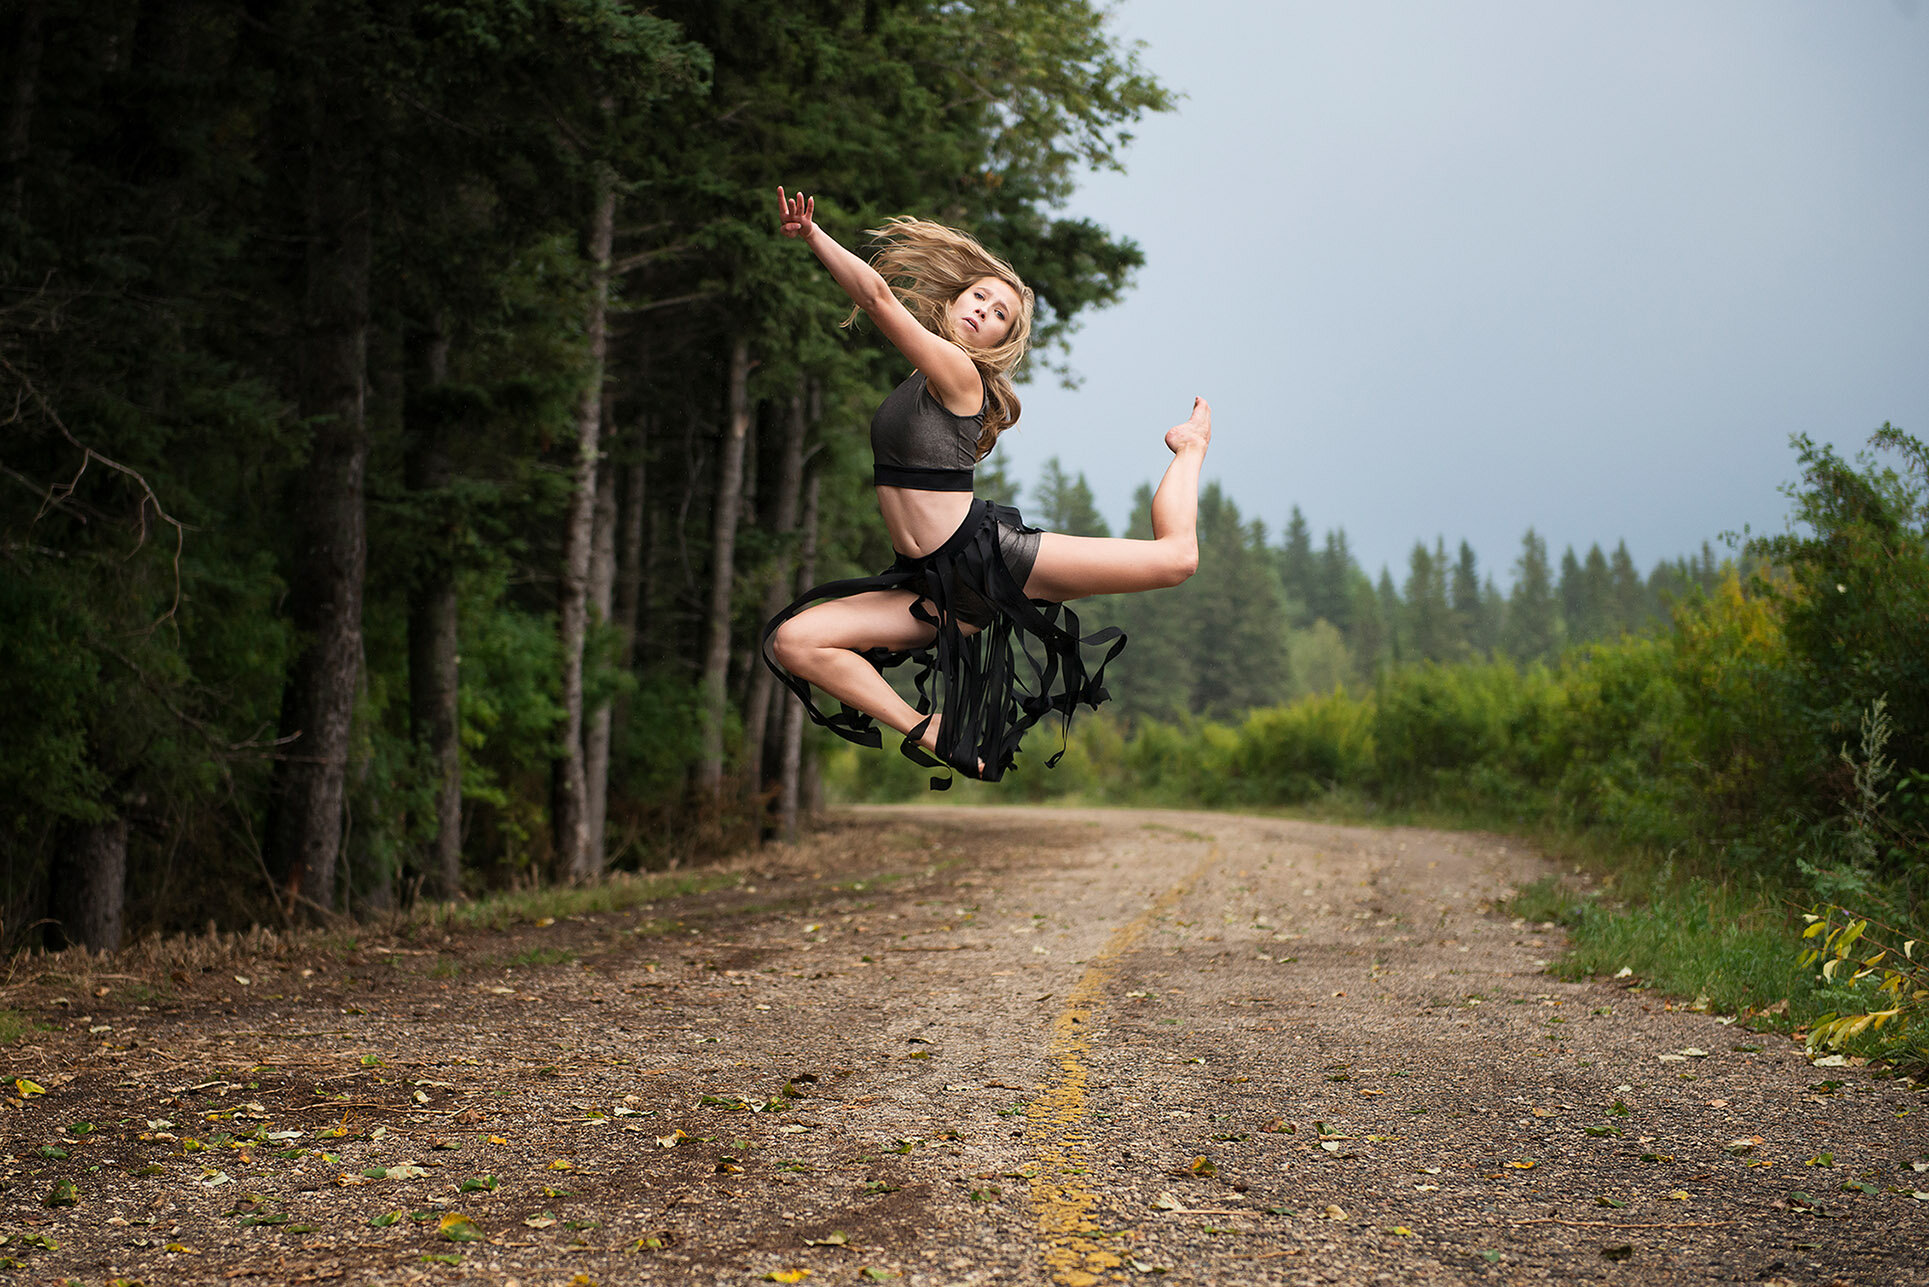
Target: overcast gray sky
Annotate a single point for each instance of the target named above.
(1456, 269)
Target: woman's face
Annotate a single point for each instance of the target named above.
(982, 315)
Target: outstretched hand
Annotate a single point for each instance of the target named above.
(796, 214)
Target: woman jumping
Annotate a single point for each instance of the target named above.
(976, 598)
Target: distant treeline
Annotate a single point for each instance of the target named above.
(410, 415)
(1263, 622)
(1772, 731)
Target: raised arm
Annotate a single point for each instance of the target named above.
(953, 377)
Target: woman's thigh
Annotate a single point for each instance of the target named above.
(874, 619)
(1071, 567)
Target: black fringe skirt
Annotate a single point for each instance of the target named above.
(989, 685)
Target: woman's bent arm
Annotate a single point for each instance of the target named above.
(952, 375)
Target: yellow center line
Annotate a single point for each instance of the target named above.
(1062, 1201)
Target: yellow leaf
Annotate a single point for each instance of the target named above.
(457, 1227)
(561, 1164)
(787, 1275)
(27, 1089)
(1401, 1230)
(1522, 1165)
(497, 1139)
(180, 1250)
(1679, 1195)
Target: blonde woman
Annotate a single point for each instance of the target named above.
(976, 598)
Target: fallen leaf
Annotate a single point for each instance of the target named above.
(1166, 1202)
(787, 1275)
(1679, 1195)
(1526, 1164)
(457, 1227)
(837, 1239)
(27, 1089)
(542, 1220)
(1336, 1213)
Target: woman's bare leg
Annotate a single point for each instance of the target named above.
(820, 645)
(1071, 567)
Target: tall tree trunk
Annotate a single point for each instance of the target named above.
(723, 553)
(629, 554)
(790, 485)
(29, 44)
(629, 571)
(790, 793)
(87, 889)
(330, 519)
(596, 730)
(573, 855)
(435, 715)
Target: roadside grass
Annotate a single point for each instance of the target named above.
(618, 893)
(13, 1026)
(527, 959)
(1723, 947)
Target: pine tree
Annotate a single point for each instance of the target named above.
(1532, 631)
(1331, 597)
(1065, 504)
(1597, 596)
(1628, 596)
(1431, 631)
(1297, 573)
(1469, 603)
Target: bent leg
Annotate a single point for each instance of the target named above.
(1071, 567)
(821, 645)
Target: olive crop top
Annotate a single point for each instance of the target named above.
(917, 442)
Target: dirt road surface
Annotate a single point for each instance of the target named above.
(937, 1046)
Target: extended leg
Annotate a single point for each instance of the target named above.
(1071, 567)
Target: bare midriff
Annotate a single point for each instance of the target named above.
(918, 521)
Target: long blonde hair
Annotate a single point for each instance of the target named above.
(928, 266)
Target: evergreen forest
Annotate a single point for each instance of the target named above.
(411, 416)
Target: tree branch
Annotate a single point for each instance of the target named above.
(58, 494)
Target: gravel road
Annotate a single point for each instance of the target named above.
(941, 1045)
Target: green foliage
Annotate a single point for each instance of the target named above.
(1885, 975)
(1852, 597)
(159, 244)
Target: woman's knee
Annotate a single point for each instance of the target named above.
(792, 646)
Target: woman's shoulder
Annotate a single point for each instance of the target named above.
(984, 393)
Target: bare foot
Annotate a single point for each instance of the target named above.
(1195, 433)
(930, 742)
